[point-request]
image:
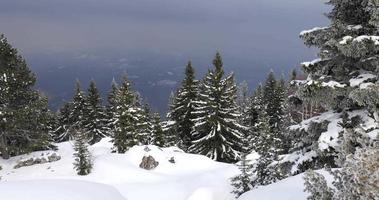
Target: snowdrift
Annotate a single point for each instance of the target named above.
(57, 190)
(118, 175)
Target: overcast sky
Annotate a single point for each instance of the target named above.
(252, 35)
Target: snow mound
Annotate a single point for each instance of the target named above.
(208, 193)
(57, 190)
(291, 188)
(178, 175)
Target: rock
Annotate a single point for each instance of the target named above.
(53, 157)
(147, 149)
(172, 160)
(148, 163)
(41, 160)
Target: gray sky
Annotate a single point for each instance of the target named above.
(143, 35)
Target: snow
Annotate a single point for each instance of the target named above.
(312, 30)
(362, 78)
(333, 84)
(57, 190)
(291, 188)
(191, 176)
(361, 38)
(329, 137)
(313, 62)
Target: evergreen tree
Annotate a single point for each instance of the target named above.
(82, 162)
(61, 133)
(125, 133)
(23, 111)
(182, 110)
(144, 124)
(157, 131)
(274, 98)
(218, 133)
(356, 179)
(111, 109)
(94, 121)
(242, 182)
(76, 116)
(316, 185)
(342, 78)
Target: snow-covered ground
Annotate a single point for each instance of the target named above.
(118, 176)
(291, 188)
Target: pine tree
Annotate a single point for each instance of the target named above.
(242, 182)
(316, 185)
(169, 126)
(144, 124)
(250, 119)
(111, 109)
(61, 133)
(23, 111)
(182, 110)
(83, 160)
(76, 116)
(218, 133)
(157, 131)
(94, 122)
(125, 133)
(342, 77)
(356, 179)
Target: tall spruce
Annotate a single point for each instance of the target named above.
(111, 108)
(77, 113)
(218, 133)
(158, 137)
(182, 110)
(125, 132)
(242, 182)
(23, 110)
(61, 133)
(82, 156)
(94, 121)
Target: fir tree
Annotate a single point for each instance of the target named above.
(242, 182)
(61, 133)
(157, 131)
(316, 185)
(23, 111)
(218, 133)
(82, 162)
(125, 133)
(76, 116)
(182, 110)
(111, 109)
(94, 121)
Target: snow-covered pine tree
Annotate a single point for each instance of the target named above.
(264, 173)
(23, 111)
(345, 74)
(94, 122)
(111, 108)
(144, 124)
(181, 111)
(242, 182)
(169, 127)
(357, 178)
(83, 160)
(125, 132)
(158, 138)
(274, 97)
(76, 115)
(218, 133)
(250, 117)
(316, 185)
(61, 133)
